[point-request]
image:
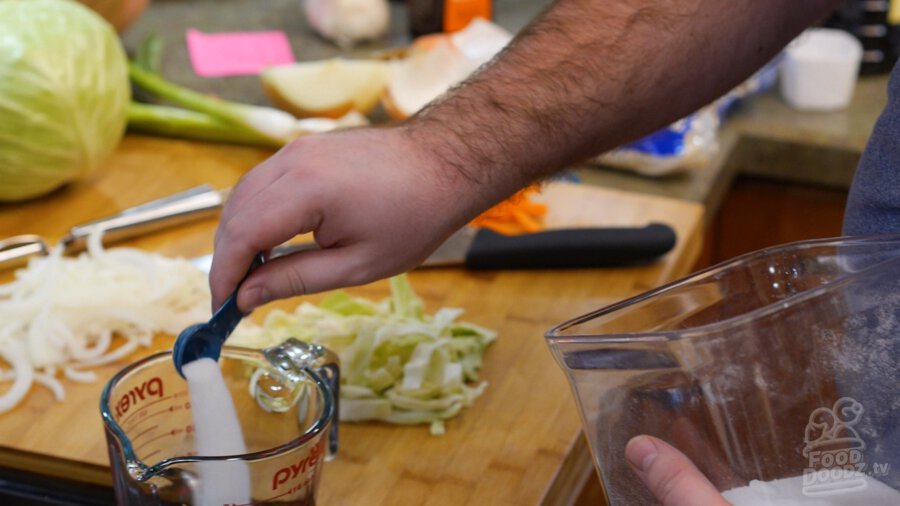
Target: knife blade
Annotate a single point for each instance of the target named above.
(483, 249)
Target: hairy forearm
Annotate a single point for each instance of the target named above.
(589, 75)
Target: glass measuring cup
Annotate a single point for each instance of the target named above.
(286, 400)
(782, 364)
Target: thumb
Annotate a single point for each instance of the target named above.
(671, 477)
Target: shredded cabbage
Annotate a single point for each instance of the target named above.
(398, 364)
(60, 314)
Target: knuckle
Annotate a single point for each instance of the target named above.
(241, 234)
(229, 229)
(294, 282)
(299, 144)
(359, 272)
(356, 275)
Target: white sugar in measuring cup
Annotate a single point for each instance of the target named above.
(777, 373)
(286, 401)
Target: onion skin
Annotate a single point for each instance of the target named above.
(119, 13)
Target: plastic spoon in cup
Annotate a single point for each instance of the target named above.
(206, 339)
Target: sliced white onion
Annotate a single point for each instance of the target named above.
(121, 352)
(23, 374)
(79, 376)
(67, 313)
(52, 384)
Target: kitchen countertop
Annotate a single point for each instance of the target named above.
(767, 138)
(764, 136)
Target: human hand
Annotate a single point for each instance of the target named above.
(670, 476)
(376, 201)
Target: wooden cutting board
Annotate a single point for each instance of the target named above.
(519, 444)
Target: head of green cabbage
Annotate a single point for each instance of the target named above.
(64, 94)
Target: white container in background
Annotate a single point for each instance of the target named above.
(819, 69)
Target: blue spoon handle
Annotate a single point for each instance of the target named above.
(229, 315)
(226, 318)
(206, 339)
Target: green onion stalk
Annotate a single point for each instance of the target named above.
(200, 116)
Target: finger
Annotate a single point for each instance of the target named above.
(265, 220)
(690, 440)
(308, 272)
(253, 182)
(671, 477)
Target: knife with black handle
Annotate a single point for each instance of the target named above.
(569, 248)
(483, 249)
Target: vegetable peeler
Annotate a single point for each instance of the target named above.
(195, 203)
(204, 340)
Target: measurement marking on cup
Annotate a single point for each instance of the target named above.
(293, 490)
(169, 433)
(143, 411)
(143, 416)
(138, 436)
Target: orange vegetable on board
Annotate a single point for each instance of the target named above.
(518, 214)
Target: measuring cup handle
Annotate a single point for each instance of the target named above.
(297, 358)
(331, 373)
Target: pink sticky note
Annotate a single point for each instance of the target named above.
(237, 53)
